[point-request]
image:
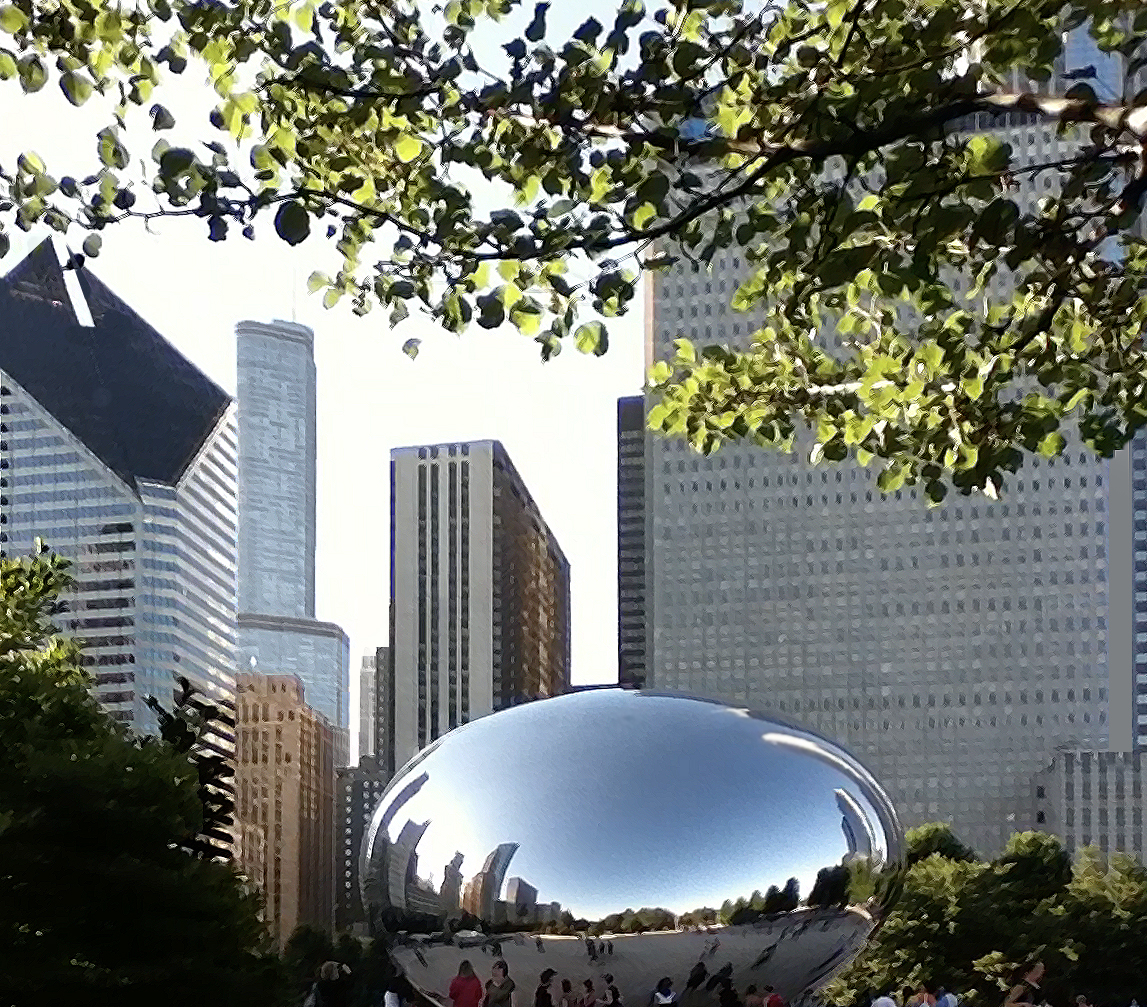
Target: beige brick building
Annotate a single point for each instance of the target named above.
(286, 794)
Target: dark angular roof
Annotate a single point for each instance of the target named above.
(138, 404)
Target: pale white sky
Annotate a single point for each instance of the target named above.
(557, 420)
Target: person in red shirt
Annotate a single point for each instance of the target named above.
(465, 987)
(775, 999)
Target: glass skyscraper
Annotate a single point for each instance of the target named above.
(121, 455)
(278, 632)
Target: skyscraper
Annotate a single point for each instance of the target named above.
(359, 789)
(285, 785)
(480, 592)
(278, 632)
(631, 533)
(121, 455)
(367, 697)
(954, 650)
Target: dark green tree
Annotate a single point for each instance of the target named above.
(968, 924)
(774, 900)
(99, 902)
(791, 895)
(936, 837)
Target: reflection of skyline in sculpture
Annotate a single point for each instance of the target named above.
(374, 873)
(481, 895)
(857, 830)
(796, 803)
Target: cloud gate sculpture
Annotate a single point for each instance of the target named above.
(637, 835)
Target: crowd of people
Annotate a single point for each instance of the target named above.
(1023, 991)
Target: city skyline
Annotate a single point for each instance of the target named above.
(556, 419)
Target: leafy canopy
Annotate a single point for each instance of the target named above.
(967, 924)
(101, 900)
(834, 159)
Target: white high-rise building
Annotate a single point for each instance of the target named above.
(367, 701)
(953, 650)
(480, 595)
(121, 456)
(278, 633)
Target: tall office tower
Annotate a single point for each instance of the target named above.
(278, 632)
(953, 650)
(121, 455)
(367, 697)
(631, 533)
(285, 783)
(359, 789)
(385, 751)
(480, 593)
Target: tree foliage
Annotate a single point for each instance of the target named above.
(967, 924)
(833, 158)
(99, 900)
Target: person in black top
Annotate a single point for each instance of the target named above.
(696, 977)
(612, 993)
(542, 995)
(1026, 991)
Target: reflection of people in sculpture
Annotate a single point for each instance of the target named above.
(612, 993)
(753, 998)
(567, 998)
(663, 995)
(696, 977)
(540, 946)
(465, 987)
(542, 995)
(723, 978)
(589, 998)
(499, 987)
(591, 947)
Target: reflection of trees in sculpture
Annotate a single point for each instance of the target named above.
(831, 888)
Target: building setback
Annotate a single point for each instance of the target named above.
(121, 456)
(278, 632)
(367, 699)
(286, 793)
(631, 534)
(480, 595)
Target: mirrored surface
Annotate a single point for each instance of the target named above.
(641, 835)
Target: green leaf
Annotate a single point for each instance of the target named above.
(91, 246)
(293, 223)
(408, 148)
(12, 19)
(161, 118)
(7, 65)
(592, 338)
(411, 347)
(317, 281)
(1052, 445)
(77, 88)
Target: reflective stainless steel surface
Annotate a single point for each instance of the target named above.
(517, 834)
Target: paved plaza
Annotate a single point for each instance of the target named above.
(807, 948)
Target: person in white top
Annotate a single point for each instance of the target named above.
(884, 1001)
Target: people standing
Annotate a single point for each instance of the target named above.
(663, 995)
(753, 998)
(1025, 991)
(696, 977)
(333, 987)
(884, 1000)
(775, 999)
(542, 995)
(499, 987)
(612, 993)
(567, 999)
(466, 988)
(589, 997)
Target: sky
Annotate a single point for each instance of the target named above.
(557, 420)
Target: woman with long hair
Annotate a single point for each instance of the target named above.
(1025, 991)
(465, 987)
